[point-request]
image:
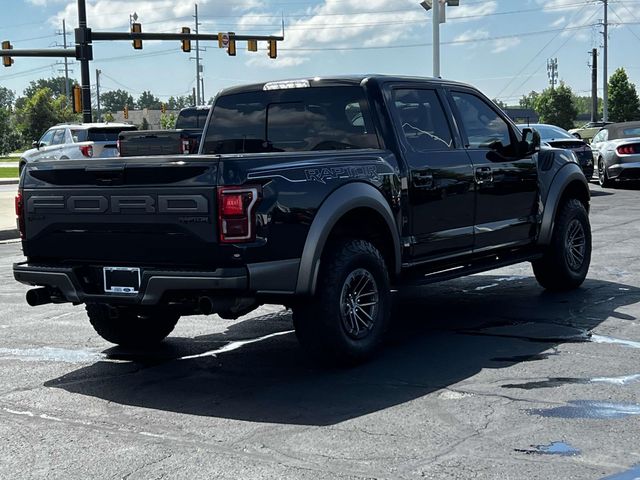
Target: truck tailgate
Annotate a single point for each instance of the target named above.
(158, 211)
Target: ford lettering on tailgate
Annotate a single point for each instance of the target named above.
(178, 204)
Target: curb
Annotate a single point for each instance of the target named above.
(9, 234)
(9, 181)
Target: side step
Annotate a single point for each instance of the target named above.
(422, 276)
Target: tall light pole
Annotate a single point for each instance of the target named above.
(605, 64)
(439, 16)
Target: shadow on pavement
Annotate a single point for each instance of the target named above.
(442, 335)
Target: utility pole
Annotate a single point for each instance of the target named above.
(605, 64)
(198, 97)
(436, 38)
(98, 72)
(66, 64)
(552, 72)
(594, 85)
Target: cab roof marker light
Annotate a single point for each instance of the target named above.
(286, 84)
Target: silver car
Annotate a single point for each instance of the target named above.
(76, 141)
(616, 153)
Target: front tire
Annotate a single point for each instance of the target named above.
(347, 318)
(131, 328)
(565, 264)
(603, 176)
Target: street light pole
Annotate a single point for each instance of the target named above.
(436, 38)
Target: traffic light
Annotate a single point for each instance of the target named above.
(77, 99)
(273, 49)
(163, 108)
(252, 45)
(136, 28)
(231, 49)
(7, 61)
(186, 44)
(125, 112)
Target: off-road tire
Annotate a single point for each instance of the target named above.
(603, 176)
(323, 324)
(565, 263)
(129, 327)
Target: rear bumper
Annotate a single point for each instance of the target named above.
(624, 171)
(262, 278)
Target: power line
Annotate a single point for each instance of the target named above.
(533, 59)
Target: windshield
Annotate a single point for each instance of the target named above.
(99, 134)
(290, 120)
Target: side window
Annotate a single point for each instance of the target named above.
(423, 120)
(46, 139)
(598, 137)
(484, 127)
(58, 137)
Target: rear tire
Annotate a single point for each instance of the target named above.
(131, 328)
(347, 318)
(603, 176)
(566, 262)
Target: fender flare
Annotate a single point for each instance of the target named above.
(337, 204)
(566, 176)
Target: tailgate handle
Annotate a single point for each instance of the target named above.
(106, 174)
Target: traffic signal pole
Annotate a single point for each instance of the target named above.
(83, 40)
(83, 51)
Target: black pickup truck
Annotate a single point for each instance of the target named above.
(322, 195)
(184, 139)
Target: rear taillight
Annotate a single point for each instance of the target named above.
(236, 213)
(628, 149)
(185, 147)
(87, 150)
(20, 214)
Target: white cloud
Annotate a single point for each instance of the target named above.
(559, 21)
(471, 35)
(504, 44)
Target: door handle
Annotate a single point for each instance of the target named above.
(422, 180)
(483, 175)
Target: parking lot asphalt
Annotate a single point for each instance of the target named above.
(484, 377)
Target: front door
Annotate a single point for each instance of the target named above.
(440, 175)
(506, 181)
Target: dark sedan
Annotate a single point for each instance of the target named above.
(559, 138)
(616, 150)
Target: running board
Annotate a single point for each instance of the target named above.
(471, 267)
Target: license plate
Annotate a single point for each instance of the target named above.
(121, 279)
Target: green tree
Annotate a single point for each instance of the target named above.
(148, 100)
(41, 111)
(555, 106)
(583, 104)
(624, 104)
(168, 121)
(115, 100)
(500, 103)
(7, 97)
(529, 100)
(55, 84)
(9, 136)
(177, 103)
(108, 117)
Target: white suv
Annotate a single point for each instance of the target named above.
(69, 141)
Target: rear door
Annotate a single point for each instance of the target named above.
(441, 177)
(506, 182)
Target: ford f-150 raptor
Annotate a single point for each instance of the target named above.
(322, 195)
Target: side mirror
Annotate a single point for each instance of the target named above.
(532, 138)
(35, 144)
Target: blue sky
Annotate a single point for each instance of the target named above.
(501, 46)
